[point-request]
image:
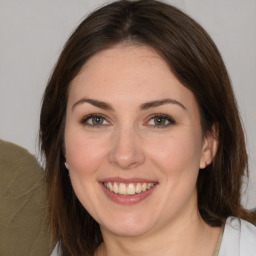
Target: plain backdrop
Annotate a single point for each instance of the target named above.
(33, 32)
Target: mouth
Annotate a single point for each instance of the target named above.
(128, 189)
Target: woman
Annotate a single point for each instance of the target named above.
(144, 147)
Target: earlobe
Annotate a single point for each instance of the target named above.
(66, 165)
(209, 149)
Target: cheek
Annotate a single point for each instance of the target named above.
(84, 157)
(84, 154)
(175, 154)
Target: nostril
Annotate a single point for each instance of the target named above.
(127, 159)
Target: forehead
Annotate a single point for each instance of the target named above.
(134, 61)
(128, 73)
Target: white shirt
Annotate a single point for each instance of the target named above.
(239, 239)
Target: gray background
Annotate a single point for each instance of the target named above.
(32, 33)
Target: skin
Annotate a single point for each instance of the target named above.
(129, 143)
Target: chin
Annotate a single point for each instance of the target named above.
(128, 227)
(128, 230)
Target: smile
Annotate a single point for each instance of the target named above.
(128, 189)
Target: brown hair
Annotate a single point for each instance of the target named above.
(196, 62)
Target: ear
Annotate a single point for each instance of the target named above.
(210, 146)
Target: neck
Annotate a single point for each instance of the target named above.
(188, 236)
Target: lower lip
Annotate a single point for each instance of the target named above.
(128, 199)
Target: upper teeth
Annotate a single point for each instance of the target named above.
(128, 189)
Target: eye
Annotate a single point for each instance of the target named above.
(161, 121)
(95, 120)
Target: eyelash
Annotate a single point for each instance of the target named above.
(164, 117)
(85, 120)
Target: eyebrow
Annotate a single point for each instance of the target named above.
(157, 103)
(96, 103)
(144, 106)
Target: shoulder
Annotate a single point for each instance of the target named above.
(239, 238)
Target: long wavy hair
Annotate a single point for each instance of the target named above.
(194, 59)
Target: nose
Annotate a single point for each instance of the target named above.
(126, 151)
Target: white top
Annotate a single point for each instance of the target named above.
(239, 239)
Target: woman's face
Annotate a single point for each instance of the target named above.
(134, 143)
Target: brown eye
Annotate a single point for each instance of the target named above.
(94, 120)
(161, 121)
